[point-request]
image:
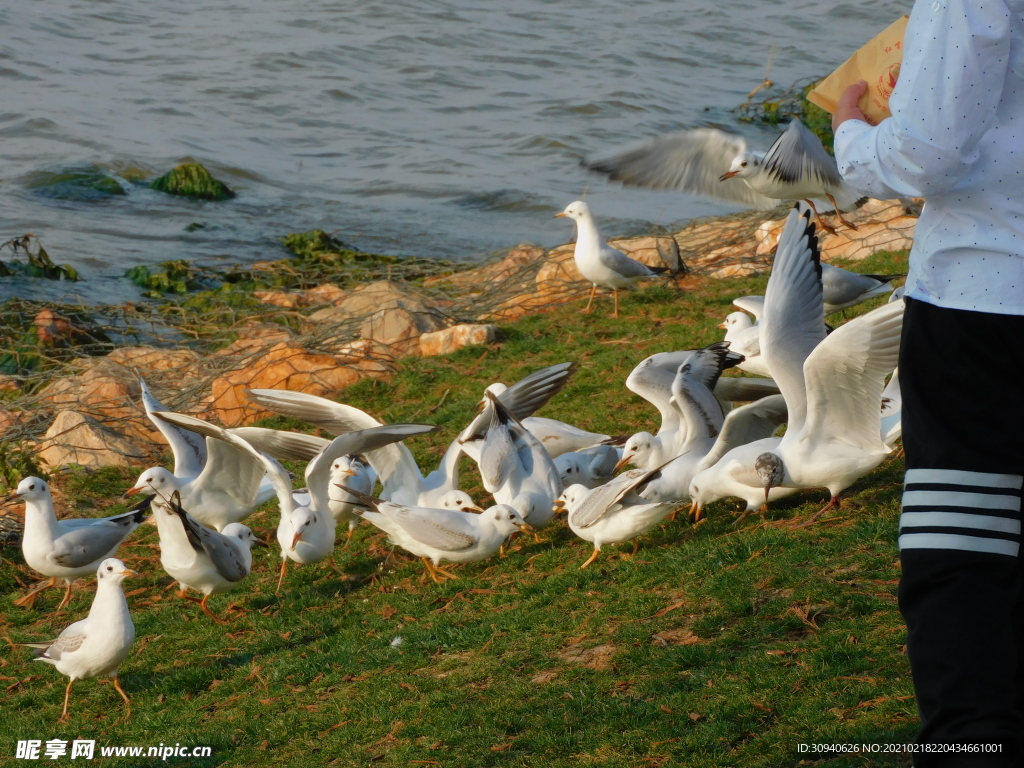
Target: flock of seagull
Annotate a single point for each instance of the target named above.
(837, 392)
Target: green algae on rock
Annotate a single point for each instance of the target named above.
(192, 180)
(38, 262)
(171, 277)
(86, 183)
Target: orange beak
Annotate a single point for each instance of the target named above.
(350, 472)
(133, 491)
(560, 215)
(129, 572)
(472, 509)
(295, 539)
(622, 462)
(727, 175)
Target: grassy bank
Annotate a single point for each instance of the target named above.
(716, 645)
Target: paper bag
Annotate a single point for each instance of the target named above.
(878, 62)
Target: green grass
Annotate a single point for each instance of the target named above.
(716, 645)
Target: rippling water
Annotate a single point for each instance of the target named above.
(415, 127)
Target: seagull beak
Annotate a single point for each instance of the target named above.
(129, 572)
(133, 491)
(695, 511)
(722, 326)
(350, 473)
(13, 496)
(526, 528)
(559, 507)
(296, 538)
(767, 490)
(561, 215)
(622, 462)
(472, 508)
(727, 175)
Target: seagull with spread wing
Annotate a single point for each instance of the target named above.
(710, 162)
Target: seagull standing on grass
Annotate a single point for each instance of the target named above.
(96, 645)
(706, 161)
(598, 262)
(66, 549)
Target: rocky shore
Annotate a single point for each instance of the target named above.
(83, 406)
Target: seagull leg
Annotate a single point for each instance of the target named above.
(29, 600)
(839, 214)
(443, 572)
(615, 292)
(636, 547)
(591, 559)
(208, 612)
(67, 697)
(67, 596)
(821, 221)
(184, 595)
(430, 569)
(280, 578)
(117, 686)
(833, 503)
(593, 290)
(348, 539)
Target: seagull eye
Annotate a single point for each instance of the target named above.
(109, 568)
(743, 165)
(32, 487)
(510, 517)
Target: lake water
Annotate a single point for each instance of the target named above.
(414, 127)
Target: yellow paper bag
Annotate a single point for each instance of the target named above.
(878, 62)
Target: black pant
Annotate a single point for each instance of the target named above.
(962, 380)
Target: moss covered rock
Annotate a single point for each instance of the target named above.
(192, 180)
(81, 183)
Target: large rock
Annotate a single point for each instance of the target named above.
(455, 338)
(97, 391)
(76, 438)
(192, 180)
(284, 367)
(183, 362)
(255, 337)
(387, 314)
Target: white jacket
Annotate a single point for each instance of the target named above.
(956, 138)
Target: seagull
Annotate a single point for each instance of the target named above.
(200, 558)
(96, 645)
(66, 549)
(598, 262)
(842, 288)
(614, 512)
(306, 533)
(590, 467)
(228, 489)
(399, 474)
(434, 535)
(688, 413)
(354, 471)
(744, 337)
(833, 386)
(189, 448)
(516, 469)
(728, 468)
(709, 162)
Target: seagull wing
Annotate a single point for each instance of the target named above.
(442, 529)
(621, 264)
(845, 376)
(752, 304)
(652, 380)
(797, 157)
(525, 397)
(189, 449)
(89, 540)
(281, 444)
(394, 463)
(692, 161)
(223, 551)
(499, 459)
(754, 421)
(743, 389)
(68, 641)
(596, 504)
(793, 322)
(692, 390)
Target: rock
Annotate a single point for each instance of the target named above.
(8, 383)
(278, 298)
(518, 261)
(192, 180)
(389, 315)
(254, 337)
(456, 337)
(97, 391)
(8, 419)
(184, 362)
(373, 359)
(654, 251)
(51, 328)
(284, 367)
(76, 438)
(79, 183)
(328, 293)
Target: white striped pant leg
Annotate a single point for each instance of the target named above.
(959, 543)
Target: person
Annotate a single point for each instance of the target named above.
(956, 138)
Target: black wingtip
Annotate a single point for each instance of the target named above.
(616, 440)
(885, 278)
(140, 510)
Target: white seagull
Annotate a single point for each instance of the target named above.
(306, 533)
(96, 645)
(709, 162)
(66, 549)
(434, 535)
(614, 512)
(598, 262)
(200, 558)
(833, 386)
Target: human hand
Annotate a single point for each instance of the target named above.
(846, 108)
